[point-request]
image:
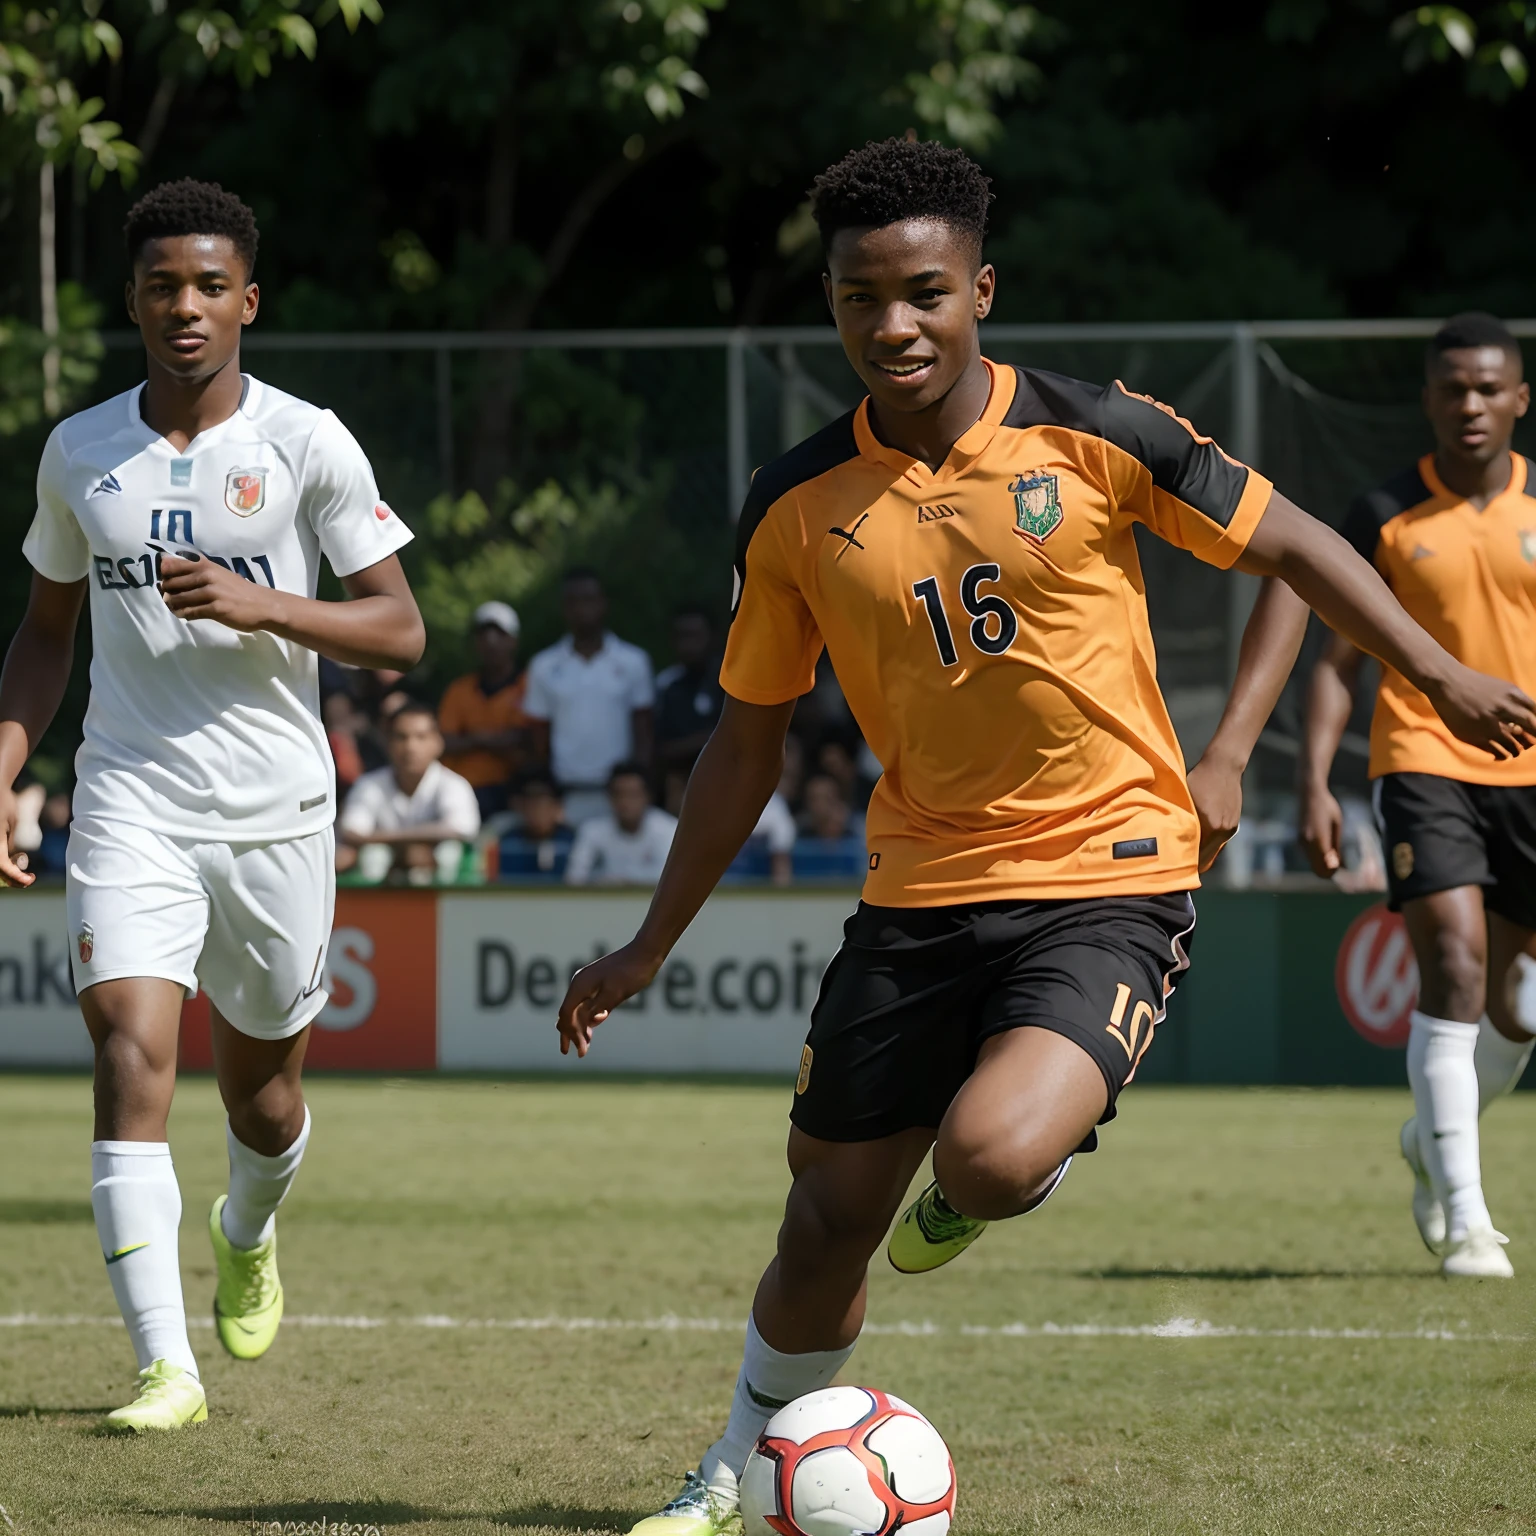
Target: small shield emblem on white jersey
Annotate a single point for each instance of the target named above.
(245, 491)
(85, 943)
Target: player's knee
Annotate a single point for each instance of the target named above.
(995, 1179)
(823, 1230)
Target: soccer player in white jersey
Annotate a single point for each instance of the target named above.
(193, 511)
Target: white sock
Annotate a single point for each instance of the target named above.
(257, 1186)
(1443, 1076)
(138, 1212)
(1499, 1062)
(766, 1382)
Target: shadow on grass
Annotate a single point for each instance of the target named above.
(1261, 1272)
(44, 1212)
(385, 1514)
(31, 1411)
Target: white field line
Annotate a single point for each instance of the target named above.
(1174, 1328)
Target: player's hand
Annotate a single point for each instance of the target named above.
(1484, 712)
(597, 989)
(1322, 832)
(1216, 787)
(13, 865)
(204, 589)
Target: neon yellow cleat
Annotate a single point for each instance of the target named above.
(931, 1231)
(248, 1301)
(169, 1397)
(694, 1512)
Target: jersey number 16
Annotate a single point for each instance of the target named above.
(994, 625)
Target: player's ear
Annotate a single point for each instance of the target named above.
(985, 288)
(826, 288)
(1522, 399)
(130, 302)
(252, 303)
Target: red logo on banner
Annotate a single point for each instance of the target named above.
(1377, 977)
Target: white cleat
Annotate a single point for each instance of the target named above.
(1428, 1213)
(1478, 1256)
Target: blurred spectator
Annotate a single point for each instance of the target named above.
(52, 857)
(485, 731)
(768, 853)
(792, 775)
(539, 843)
(688, 702)
(27, 834)
(629, 845)
(344, 724)
(837, 760)
(589, 700)
(829, 847)
(417, 812)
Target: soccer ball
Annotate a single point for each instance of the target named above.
(848, 1461)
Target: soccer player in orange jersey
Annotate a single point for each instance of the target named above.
(1455, 538)
(962, 545)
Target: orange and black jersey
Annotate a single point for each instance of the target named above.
(1469, 578)
(988, 624)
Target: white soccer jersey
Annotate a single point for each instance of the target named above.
(195, 729)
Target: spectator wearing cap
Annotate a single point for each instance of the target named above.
(416, 813)
(688, 701)
(485, 731)
(590, 700)
(628, 845)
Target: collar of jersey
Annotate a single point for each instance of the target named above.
(969, 447)
(1438, 487)
(250, 392)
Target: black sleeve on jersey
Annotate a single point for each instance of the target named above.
(835, 444)
(1530, 478)
(1197, 472)
(1370, 512)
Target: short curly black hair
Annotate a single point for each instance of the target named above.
(188, 207)
(1472, 328)
(902, 179)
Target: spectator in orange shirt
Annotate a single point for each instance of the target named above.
(485, 730)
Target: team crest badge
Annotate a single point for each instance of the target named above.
(245, 491)
(1528, 545)
(1037, 509)
(85, 943)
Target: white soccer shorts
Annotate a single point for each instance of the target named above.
(249, 921)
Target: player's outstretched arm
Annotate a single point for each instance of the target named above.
(380, 627)
(1330, 703)
(1351, 598)
(730, 784)
(31, 688)
(1271, 643)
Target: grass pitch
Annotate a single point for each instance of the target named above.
(516, 1306)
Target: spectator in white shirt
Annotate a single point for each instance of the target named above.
(628, 845)
(590, 700)
(417, 811)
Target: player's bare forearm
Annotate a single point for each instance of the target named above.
(1350, 597)
(731, 782)
(1330, 703)
(31, 688)
(37, 669)
(380, 627)
(1271, 643)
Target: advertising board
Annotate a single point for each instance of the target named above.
(734, 996)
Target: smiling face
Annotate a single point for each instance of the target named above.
(906, 298)
(190, 299)
(1473, 397)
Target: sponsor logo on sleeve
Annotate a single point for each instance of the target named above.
(106, 486)
(1528, 545)
(245, 491)
(383, 511)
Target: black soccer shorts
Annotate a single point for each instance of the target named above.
(1440, 833)
(913, 993)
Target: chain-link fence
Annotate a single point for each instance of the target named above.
(678, 418)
